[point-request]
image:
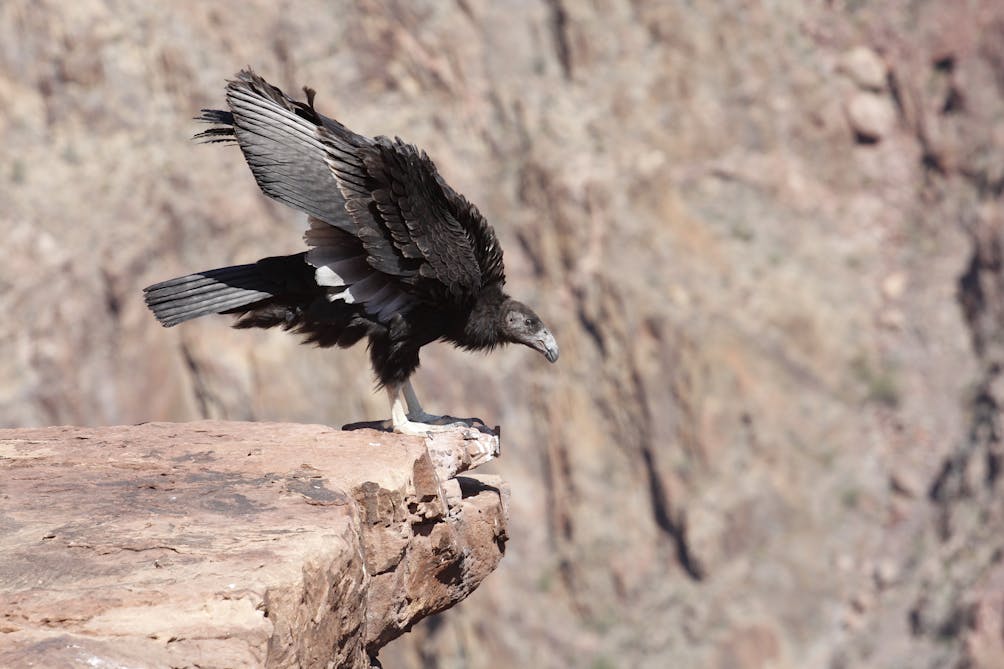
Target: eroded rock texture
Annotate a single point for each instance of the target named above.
(767, 235)
(219, 544)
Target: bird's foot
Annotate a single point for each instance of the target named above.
(442, 421)
(422, 428)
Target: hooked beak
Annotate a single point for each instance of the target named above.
(547, 345)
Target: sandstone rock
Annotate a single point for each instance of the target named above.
(885, 573)
(230, 544)
(865, 67)
(870, 115)
(453, 451)
(894, 285)
(676, 195)
(984, 641)
(906, 482)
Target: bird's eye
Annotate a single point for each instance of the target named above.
(528, 322)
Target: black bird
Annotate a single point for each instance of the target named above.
(394, 254)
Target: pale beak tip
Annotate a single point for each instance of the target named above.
(548, 346)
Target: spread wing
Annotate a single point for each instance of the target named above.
(386, 231)
(415, 227)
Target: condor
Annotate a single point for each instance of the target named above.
(394, 255)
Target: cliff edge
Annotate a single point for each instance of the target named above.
(233, 544)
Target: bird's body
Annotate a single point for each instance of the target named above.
(394, 254)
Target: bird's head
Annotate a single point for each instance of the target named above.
(522, 326)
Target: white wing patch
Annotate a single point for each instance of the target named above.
(340, 265)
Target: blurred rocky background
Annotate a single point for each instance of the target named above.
(768, 235)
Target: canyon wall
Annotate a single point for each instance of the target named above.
(767, 235)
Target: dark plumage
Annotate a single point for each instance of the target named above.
(394, 254)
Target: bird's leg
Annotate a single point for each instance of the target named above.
(402, 420)
(415, 410)
(398, 417)
(418, 414)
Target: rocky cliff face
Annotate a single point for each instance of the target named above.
(224, 544)
(768, 237)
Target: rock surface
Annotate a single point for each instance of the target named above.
(865, 67)
(872, 116)
(220, 544)
(774, 435)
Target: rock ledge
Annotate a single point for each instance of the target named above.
(230, 544)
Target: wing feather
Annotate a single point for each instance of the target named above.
(342, 264)
(285, 144)
(386, 231)
(435, 237)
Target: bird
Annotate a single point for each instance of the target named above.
(394, 255)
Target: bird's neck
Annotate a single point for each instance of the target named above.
(483, 329)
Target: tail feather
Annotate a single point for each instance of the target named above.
(211, 292)
(203, 282)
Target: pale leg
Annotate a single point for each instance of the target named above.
(404, 421)
(415, 410)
